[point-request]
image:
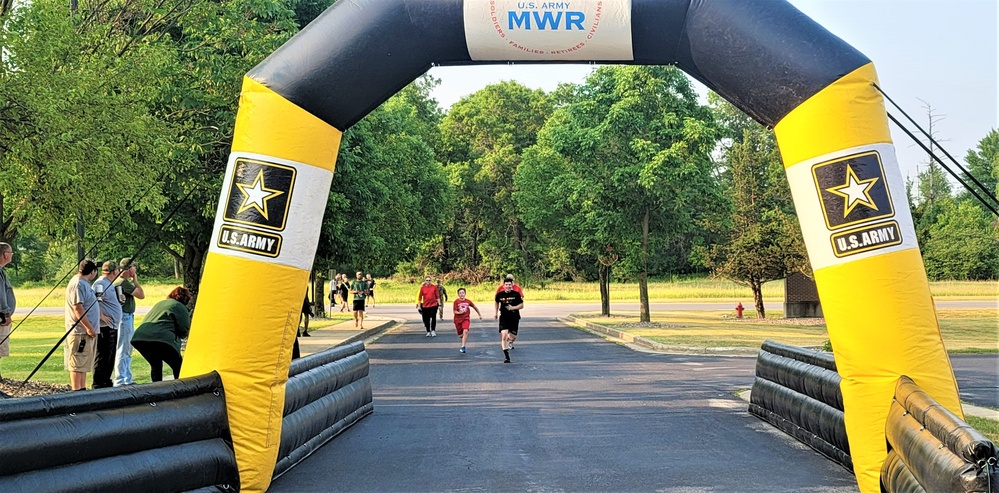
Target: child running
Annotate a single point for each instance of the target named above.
(462, 318)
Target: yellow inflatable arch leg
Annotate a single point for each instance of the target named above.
(266, 233)
(850, 198)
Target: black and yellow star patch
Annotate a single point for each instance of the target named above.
(853, 190)
(260, 194)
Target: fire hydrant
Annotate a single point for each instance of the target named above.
(738, 310)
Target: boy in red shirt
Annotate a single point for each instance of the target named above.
(462, 318)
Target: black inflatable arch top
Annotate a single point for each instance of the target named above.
(764, 56)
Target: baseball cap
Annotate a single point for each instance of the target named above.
(125, 263)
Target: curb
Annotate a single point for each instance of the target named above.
(657, 346)
(376, 331)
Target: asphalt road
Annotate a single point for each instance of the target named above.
(573, 412)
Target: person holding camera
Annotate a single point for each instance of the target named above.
(82, 319)
(130, 290)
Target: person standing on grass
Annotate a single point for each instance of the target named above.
(508, 306)
(359, 288)
(7, 301)
(107, 339)
(462, 317)
(427, 302)
(82, 319)
(128, 283)
(158, 338)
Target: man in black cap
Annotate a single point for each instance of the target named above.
(128, 288)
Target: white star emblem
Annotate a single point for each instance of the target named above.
(855, 191)
(257, 195)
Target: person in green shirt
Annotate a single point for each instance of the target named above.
(158, 338)
(128, 289)
(359, 288)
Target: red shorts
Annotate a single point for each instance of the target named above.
(462, 325)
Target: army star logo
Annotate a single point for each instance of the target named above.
(852, 190)
(855, 191)
(257, 195)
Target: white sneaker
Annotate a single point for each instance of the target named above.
(433, 333)
(428, 334)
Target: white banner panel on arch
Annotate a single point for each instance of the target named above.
(597, 30)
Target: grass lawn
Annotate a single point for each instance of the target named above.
(33, 340)
(962, 330)
(988, 427)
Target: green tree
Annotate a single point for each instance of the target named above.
(630, 153)
(983, 163)
(763, 242)
(482, 138)
(389, 194)
(78, 139)
(213, 45)
(963, 243)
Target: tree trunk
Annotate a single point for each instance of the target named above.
(318, 295)
(7, 233)
(192, 266)
(605, 289)
(757, 287)
(643, 274)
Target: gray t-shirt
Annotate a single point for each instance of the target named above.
(7, 302)
(78, 291)
(109, 303)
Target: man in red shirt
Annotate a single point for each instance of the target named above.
(427, 302)
(462, 318)
(516, 287)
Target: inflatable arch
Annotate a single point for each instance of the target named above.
(764, 56)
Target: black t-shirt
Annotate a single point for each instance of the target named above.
(505, 299)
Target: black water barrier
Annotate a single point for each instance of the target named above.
(326, 393)
(797, 390)
(932, 450)
(164, 436)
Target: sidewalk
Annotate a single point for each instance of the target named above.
(344, 333)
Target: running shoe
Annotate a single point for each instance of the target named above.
(428, 334)
(433, 333)
(462, 349)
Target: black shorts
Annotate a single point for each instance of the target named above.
(511, 325)
(359, 305)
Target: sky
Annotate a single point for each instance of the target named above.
(937, 52)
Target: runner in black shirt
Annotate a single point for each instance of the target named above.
(508, 306)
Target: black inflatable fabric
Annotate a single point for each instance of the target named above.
(801, 398)
(939, 450)
(326, 393)
(165, 436)
(358, 53)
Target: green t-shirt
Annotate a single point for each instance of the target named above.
(127, 288)
(361, 287)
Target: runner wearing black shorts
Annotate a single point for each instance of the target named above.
(508, 306)
(359, 289)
